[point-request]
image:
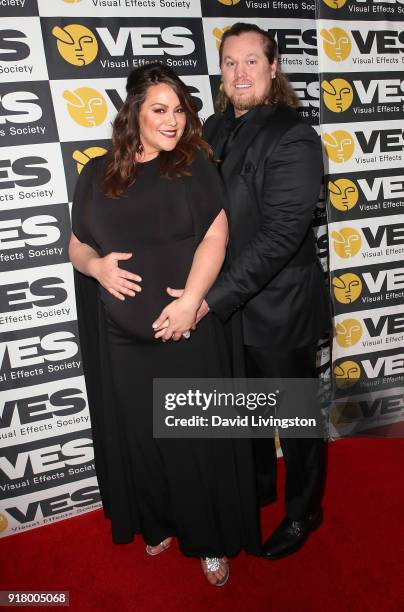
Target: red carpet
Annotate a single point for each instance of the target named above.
(353, 563)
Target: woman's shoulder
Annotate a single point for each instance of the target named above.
(96, 163)
(202, 165)
(91, 170)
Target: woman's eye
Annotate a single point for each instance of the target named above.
(180, 110)
(158, 110)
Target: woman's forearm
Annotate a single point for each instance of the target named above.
(83, 257)
(206, 265)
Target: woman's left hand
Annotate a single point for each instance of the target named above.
(175, 319)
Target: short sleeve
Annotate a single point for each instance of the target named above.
(208, 196)
(82, 204)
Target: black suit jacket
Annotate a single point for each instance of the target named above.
(272, 174)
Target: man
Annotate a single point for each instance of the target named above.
(272, 285)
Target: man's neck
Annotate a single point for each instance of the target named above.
(239, 113)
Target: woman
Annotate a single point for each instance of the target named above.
(153, 205)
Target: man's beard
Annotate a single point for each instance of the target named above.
(244, 103)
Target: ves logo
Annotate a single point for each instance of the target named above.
(83, 157)
(76, 44)
(218, 33)
(335, 4)
(343, 194)
(336, 43)
(348, 332)
(339, 146)
(337, 95)
(347, 242)
(86, 106)
(21, 107)
(347, 287)
(3, 522)
(347, 374)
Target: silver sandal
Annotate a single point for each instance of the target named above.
(213, 564)
(162, 546)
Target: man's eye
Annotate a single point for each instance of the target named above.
(253, 61)
(229, 64)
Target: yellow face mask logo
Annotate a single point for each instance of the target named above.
(345, 413)
(343, 194)
(229, 2)
(86, 106)
(82, 157)
(218, 33)
(335, 4)
(337, 44)
(348, 332)
(3, 522)
(347, 374)
(76, 44)
(71, 1)
(347, 288)
(337, 95)
(339, 146)
(347, 242)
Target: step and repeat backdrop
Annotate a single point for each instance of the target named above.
(63, 69)
(361, 71)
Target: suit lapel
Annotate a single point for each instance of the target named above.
(245, 136)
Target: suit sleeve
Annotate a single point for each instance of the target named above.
(83, 203)
(292, 183)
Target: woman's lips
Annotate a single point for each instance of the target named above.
(168, 133)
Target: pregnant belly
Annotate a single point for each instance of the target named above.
(159, 268)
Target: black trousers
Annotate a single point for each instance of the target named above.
(305, 458)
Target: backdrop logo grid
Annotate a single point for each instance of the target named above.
(361, 110)
(63, 66)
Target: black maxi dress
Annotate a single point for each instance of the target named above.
(201, 491)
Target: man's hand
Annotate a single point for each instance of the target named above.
(202, 310)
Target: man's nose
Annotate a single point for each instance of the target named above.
(239, 71)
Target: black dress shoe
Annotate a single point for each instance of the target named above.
(290, 536)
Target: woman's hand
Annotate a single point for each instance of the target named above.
(202, 310)
(114, 279)
(175, 319)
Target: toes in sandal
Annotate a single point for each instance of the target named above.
(210, 565)
(156, 550)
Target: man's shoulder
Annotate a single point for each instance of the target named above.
(284, 117)
(285, 122)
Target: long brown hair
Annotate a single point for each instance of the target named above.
(120, 165)
(281, 90)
